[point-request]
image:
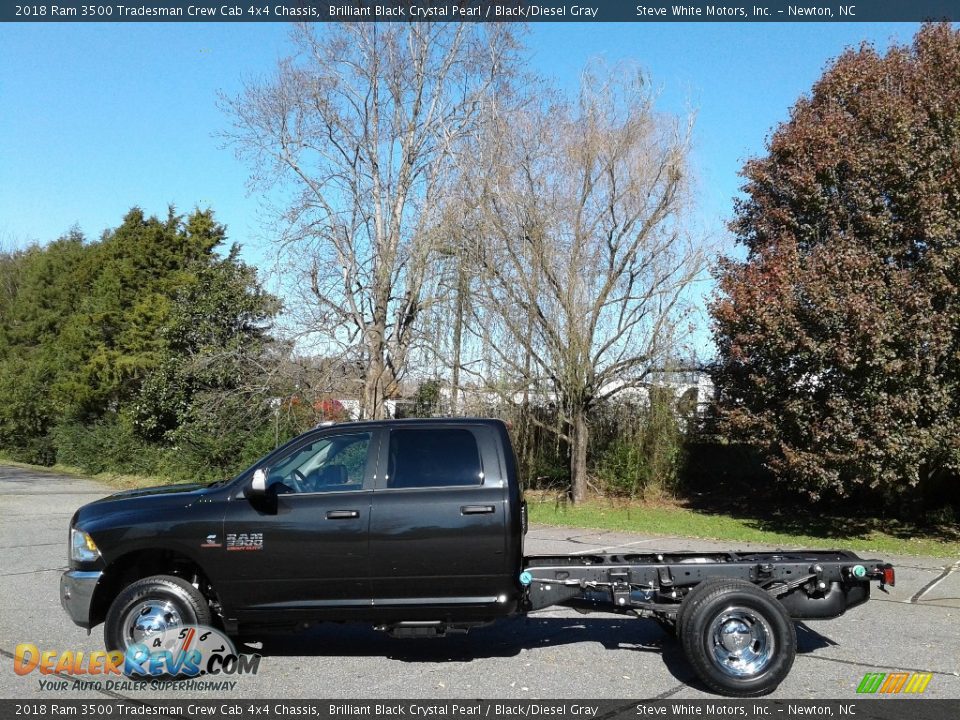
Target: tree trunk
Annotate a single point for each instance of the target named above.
(579, 437)
(375, 371)
(372, 391)
(458, 338)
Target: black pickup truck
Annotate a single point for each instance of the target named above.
(417, 527)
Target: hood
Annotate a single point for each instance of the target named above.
(156, 490)
(141, 504)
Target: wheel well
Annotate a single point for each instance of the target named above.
(143, 563)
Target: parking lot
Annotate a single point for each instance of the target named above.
(553, 654)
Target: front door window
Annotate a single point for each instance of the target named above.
(336, 463)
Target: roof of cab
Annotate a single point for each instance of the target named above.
(361, 424)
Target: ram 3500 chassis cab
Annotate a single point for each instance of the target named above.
(417, 527)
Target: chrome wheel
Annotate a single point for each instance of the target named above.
(741, 642)
(154, 609)
(148, 619)
(739, 639)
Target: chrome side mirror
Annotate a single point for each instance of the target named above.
(259, 484)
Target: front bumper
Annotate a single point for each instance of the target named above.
(76, 594)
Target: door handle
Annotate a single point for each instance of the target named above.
(342, 514)
(476, 509)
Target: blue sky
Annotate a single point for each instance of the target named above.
(96, 118)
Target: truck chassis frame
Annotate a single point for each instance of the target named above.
(658, 582)
(733, 612)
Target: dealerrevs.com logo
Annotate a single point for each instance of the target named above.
(894, 683)
(171, 659)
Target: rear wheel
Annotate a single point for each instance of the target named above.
(151, 606)
(698, 591)
(738, 638)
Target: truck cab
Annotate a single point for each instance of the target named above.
(393, 522)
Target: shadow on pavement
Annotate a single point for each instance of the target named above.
(503, 639)
(809, 639)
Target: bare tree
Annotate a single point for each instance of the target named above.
(587, 268)
(365, 124)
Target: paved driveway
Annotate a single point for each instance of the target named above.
(553, 654)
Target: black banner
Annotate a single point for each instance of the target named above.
(856, 709)
(482, 11)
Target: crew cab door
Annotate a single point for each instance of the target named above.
(305, 545)
(438, 527)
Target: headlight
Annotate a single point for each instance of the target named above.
(82, 546)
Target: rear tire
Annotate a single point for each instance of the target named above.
(150, 606)
(739, 639)
(691, 597)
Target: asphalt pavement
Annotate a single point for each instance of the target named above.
(552, 654)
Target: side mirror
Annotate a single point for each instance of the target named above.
(259, 484)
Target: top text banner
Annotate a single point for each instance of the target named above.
(483, 11)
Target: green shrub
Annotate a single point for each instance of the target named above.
(110, 445)
(638, 450)
(36, 451)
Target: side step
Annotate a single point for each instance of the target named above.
(426, 628)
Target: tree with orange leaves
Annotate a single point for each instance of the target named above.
(839, 333)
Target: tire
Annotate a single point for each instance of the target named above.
(171, 600)
(739, 639)
(691, 597)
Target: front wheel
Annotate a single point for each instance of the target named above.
(150, 607)
(739, 639)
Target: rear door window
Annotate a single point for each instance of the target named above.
(433, 457)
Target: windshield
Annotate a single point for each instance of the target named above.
(264, 461)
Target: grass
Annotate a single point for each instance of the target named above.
(119, 481)
(771, 527)
(783, 529)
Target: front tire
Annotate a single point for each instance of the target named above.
(739, 639)
(151, 606)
